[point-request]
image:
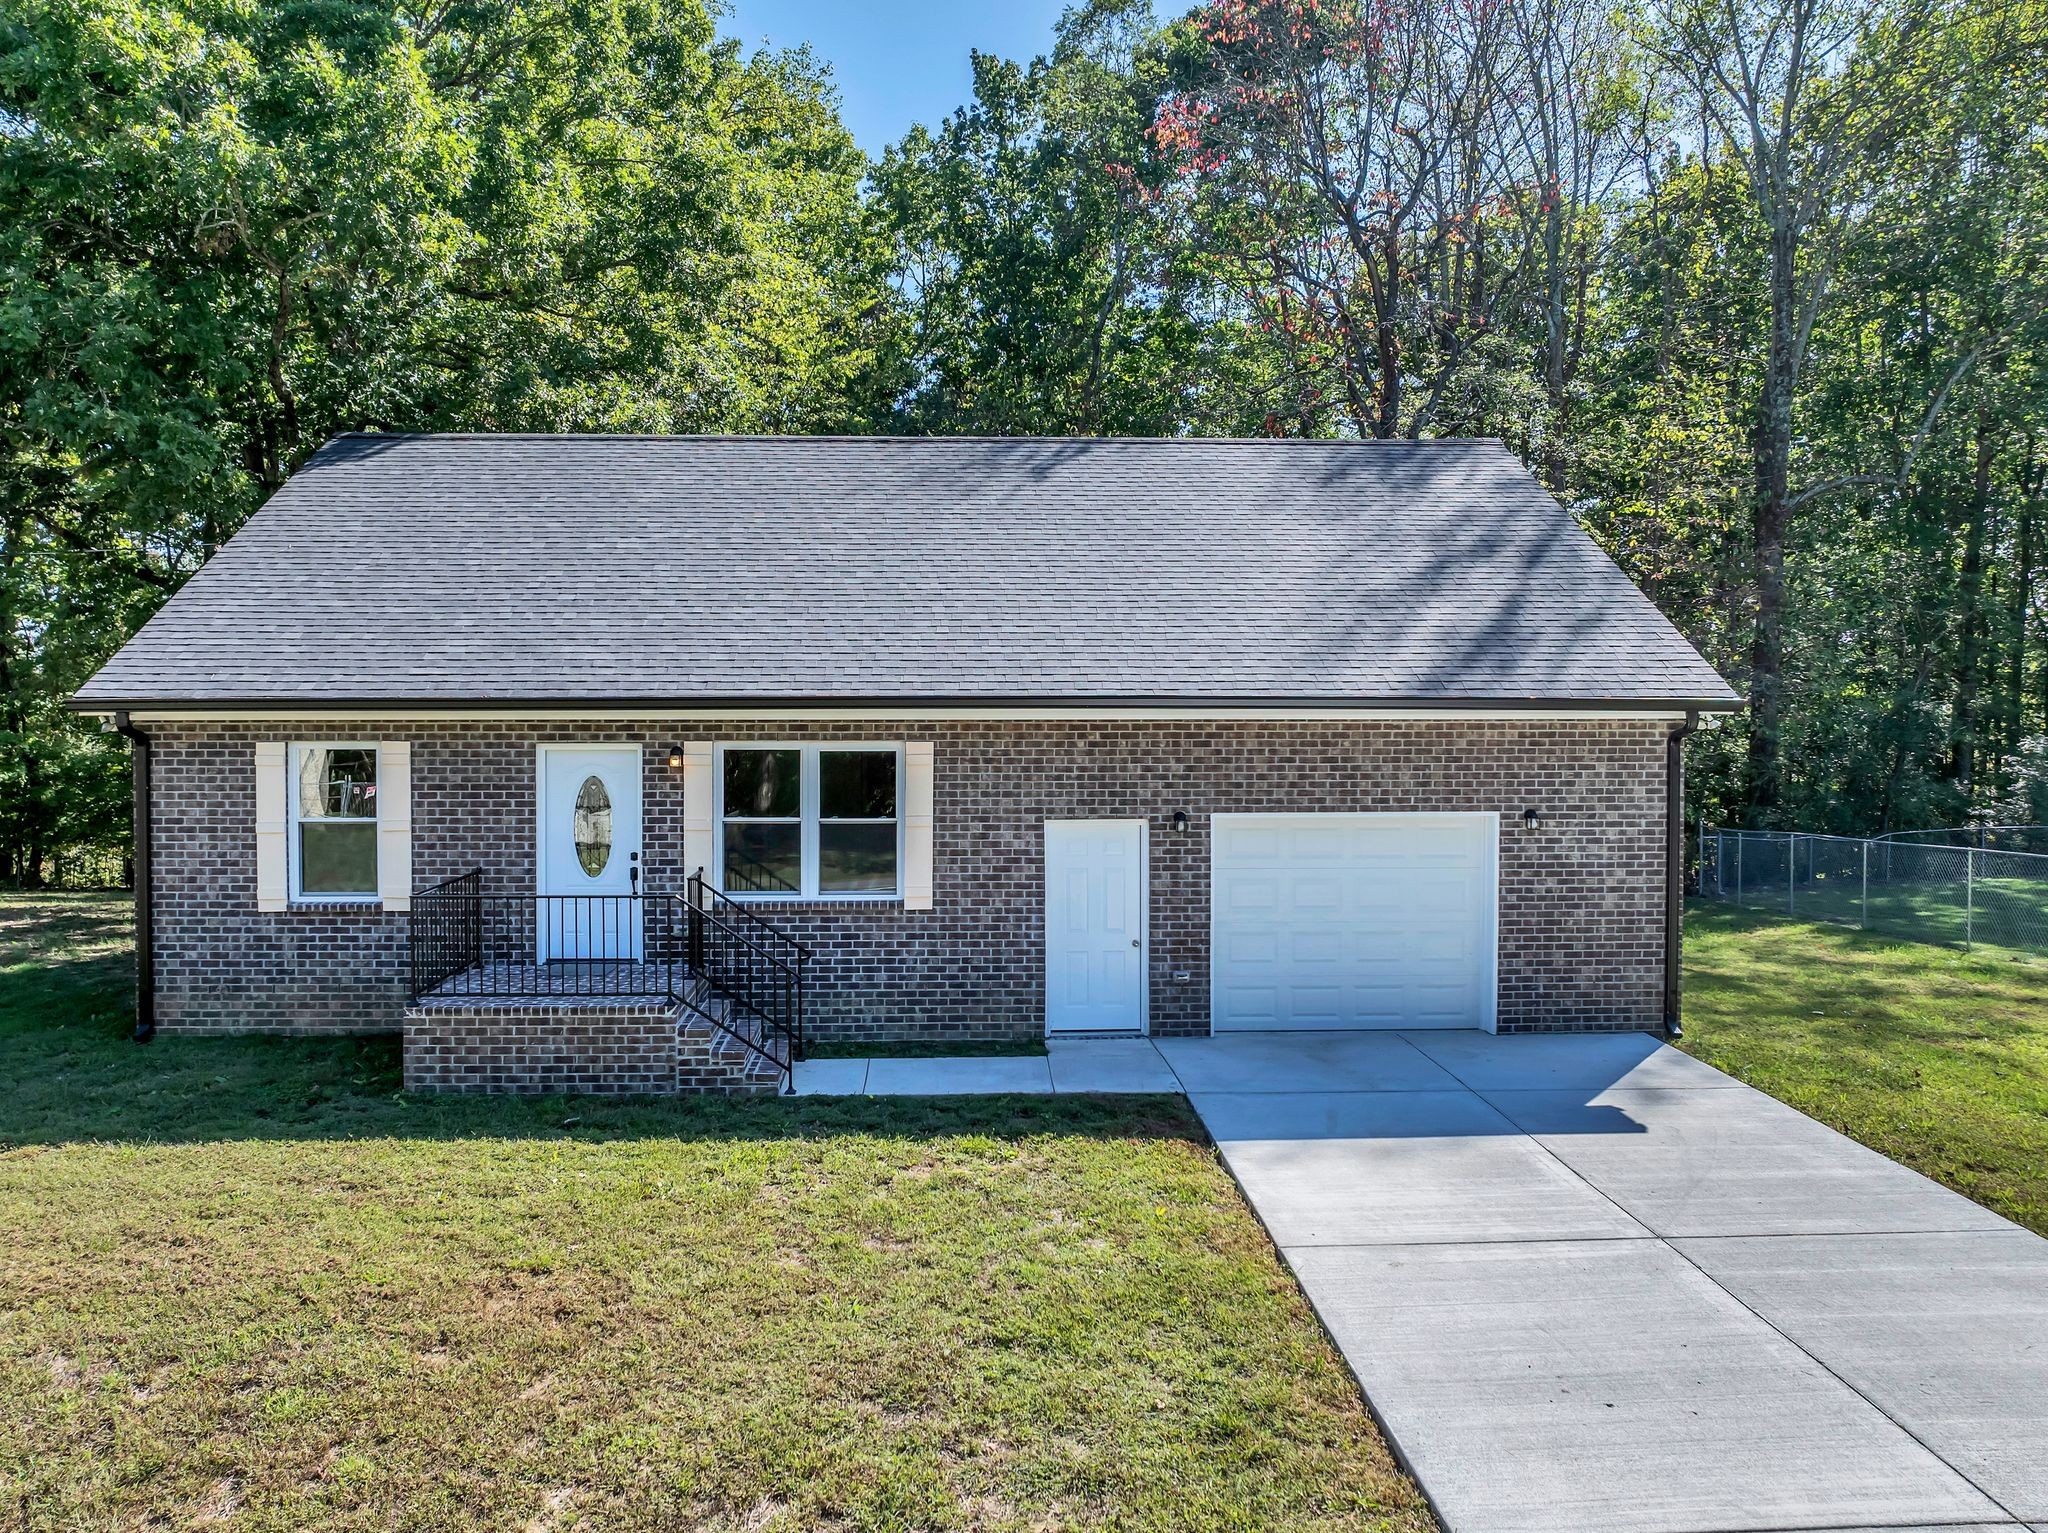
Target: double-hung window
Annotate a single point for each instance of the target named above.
(810, 821)
(333, 846)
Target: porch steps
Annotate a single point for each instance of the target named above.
(710, 1059)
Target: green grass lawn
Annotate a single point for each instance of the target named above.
(1936, 1057)
(1997, 914)
(249, 1284)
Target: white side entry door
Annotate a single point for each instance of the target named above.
(1095, 958)
(588, 856)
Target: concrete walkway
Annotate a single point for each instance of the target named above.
(1068, 1064)
(1591, 1285)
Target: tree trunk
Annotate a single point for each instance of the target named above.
(1970, 619)
(2012, 712)
(1771, 451)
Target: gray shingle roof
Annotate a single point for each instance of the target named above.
(485, 569)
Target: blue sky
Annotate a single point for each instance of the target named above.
(896, 61)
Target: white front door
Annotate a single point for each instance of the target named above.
(1352, 921)
(1094, 926)
(588, 860)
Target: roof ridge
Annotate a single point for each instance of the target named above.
(885, 438)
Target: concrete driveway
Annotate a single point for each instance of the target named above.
(1588, 1284)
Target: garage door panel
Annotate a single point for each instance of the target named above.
(1311, 894)
(1250, 1000)
(1317, 1005)
(1349, 921)
(1316, 947)
(1253, 891)
(1244, 844)
(1429, 948)
(1381, 949)
(1250, 947)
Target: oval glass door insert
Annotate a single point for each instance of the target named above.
(593, 826)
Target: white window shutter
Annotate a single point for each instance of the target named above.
(697, 795)
(917, 826)
(394, 824)
(272, 879)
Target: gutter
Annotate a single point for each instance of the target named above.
(904, 705)
(1674, 872)
(145, 912)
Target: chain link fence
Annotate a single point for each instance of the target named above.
(71, 867)
(1986, 838)
(1928, 890)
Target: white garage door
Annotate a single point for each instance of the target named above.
(1352, 921)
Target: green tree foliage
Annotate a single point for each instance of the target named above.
(1757, 287)
(229, 229)
(1045, 290)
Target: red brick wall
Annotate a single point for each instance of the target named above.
(625, 1047)
(1581, 942)
(628, 1048)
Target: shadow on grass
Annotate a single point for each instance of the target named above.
(74, 1075)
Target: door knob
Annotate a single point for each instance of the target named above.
(1134, 942)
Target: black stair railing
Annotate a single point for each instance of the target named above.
(463, 942)
(755, 965)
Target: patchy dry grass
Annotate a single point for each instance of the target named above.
(1936, 1057)
(249, 1284)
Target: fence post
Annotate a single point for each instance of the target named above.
(1969, 899)
(1739, 839)
(1866, 888)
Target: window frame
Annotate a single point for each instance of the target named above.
(809, 793)
(294, 858)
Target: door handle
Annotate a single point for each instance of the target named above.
(1134, 942)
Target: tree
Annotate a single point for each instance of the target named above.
(229, 230)
(1806, 97)
(1044, 290)
(1363, 175)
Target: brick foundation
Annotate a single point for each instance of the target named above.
(608, 1047)
(1581, 900)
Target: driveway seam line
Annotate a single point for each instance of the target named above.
(1183, 1085)
(1867, 1527)
(1529, 1240)
(1648, 1234)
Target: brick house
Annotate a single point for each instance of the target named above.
(631, 764)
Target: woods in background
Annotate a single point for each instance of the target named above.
(1757, 287)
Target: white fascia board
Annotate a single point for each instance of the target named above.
(909, 711)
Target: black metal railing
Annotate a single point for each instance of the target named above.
(446, 931)
(516, 946)
(752, 963)
(464, 942)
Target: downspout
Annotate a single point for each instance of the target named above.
(145, 913)
(1674, 871)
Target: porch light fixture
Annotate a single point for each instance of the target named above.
(1180, 819)
(1532, 819)
(675, 758)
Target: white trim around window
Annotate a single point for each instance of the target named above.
(806, 820)
(296, 819)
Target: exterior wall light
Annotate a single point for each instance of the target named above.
(1532, 819)
(675, 758)
(1180, 819)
